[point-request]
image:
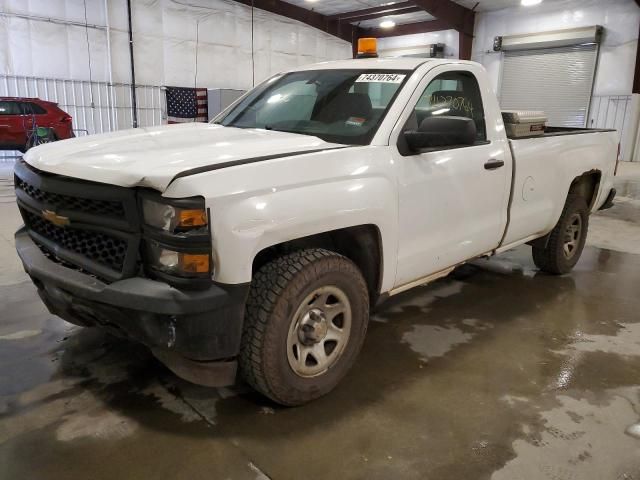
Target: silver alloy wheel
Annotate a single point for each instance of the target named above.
(319, 331)
(572, 236)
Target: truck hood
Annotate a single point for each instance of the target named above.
(152, 157)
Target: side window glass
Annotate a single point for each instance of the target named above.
(34, 108)
(454, 94)
(9, 108)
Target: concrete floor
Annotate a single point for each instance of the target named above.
(495, 372)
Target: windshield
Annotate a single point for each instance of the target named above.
(341, 106)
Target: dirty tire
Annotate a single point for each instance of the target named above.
(553, 259)
(277, 292)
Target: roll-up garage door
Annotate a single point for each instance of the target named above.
(557, 80)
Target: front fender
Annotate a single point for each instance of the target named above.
(246, 227)
(311, 194)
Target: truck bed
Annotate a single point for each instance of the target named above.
(544, 168)
(560, 131)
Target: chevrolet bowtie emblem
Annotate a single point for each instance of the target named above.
(56, 219)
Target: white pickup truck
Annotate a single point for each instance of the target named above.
(257, 244)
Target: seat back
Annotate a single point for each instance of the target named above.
(345, 106)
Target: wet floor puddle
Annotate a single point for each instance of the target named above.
(490, 373)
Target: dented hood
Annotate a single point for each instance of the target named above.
(152, 157)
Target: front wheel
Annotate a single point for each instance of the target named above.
(566, 240)
(305, 323)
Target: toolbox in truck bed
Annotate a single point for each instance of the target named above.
(524, 123)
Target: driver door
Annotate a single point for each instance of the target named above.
(453, 200)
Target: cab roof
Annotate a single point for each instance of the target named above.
(398, 63)
(24, 99)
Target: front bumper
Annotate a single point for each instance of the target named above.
(195, 333)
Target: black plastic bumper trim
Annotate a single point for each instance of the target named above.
(136, 293)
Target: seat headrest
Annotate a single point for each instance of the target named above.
(347, 105)
(359, 103)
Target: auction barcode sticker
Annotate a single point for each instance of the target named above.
(380, 78)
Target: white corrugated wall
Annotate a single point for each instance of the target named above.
(615, 71)
(168, 34)
(52, 51)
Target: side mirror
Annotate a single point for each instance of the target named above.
(442, 132)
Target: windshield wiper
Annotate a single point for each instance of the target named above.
(271, 127)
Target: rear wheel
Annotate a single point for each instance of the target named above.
(305, 323)
(566, 240)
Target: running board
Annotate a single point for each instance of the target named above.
(423, 280)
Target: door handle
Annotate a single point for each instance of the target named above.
(493, 164)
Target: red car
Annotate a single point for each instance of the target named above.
(19, 118)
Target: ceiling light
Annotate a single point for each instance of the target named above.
(529, 3)
(387, 24)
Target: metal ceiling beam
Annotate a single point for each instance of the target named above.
(407, 29)
(381, 11)
(636, 78)
(448, 15)
(373, 16)
(456, 16)
(345, 31)
(465, 46)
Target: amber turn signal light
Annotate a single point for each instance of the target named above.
(194, 263)
(192, 218)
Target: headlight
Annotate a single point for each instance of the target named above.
(172, 218)
(177, 240)
(182, 264)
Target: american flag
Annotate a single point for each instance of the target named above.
(187, 105)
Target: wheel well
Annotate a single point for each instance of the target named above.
(586, 185)
(361, 244)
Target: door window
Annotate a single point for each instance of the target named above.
(30, 108)
(9, 108)
(453, 94)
